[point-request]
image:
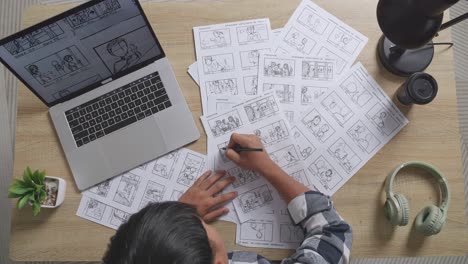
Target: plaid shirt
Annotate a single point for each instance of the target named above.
(327, 236)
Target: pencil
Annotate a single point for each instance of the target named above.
(239, 149)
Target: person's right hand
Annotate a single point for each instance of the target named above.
(249, 160)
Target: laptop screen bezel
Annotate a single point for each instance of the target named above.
(94, 85)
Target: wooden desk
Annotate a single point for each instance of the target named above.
(432, 136)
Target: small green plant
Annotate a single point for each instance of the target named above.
(30, 189)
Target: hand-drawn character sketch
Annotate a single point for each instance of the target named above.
(356, 91)
(344, 155)
(303, 144)
(225, 123)
(222, 152)
(382, 119)
(95, 209)
(318, 125)
(176, 194)
(164, 166)
(278, 68)
(291, 234)
(301, 177)
(251, 85)
(261, 108)
(285, 157)
(285, 92)
(127, 189)
(212, 39)
(309, 94)
(218, 63)
(363, 137)
(299, 41)
(71, 63)
(154, 192)
(256, 231)
(317, 70)
(58, 67)
(249, 58)
(272, 133)
(252, 33)
(344, 40)
(255, 199)
(118, 217)
(222, 87)
(92, 14)
(25, 44)
(41, 77)
(242, 176)
(312, 21)
(340, 63)
(127, 54)
(337, 108)
(325, 173)
(190, 170)
(102, 189)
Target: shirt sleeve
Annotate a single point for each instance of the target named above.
(327, 238)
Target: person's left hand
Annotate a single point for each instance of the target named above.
(204, 195)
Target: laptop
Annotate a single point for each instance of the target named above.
(111, 92)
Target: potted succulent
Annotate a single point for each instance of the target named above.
(38, 190)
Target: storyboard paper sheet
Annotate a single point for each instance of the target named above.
(312, 31)
(227, 56)
(111, 202)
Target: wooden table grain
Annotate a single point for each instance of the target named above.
(432, 136)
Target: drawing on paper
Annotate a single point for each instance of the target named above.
(127, 189)
(261, 108)
(213, 39)
(291, 234)
(309, 94)
(337, 108)
(118, 217)
(249, 58)
(382, 119)
(102, 189)
(92, 14)
(317, 70)
(164, 166)
(251, 85)
(252, 33)
(82, 83)
(190, 170)
(176, 194)
(255, 199)
(344, 155)
(285, 157)
(340, 63)
(25, 44)
(272, 133)
(301, 177)
(325, 173)
(278, 68)
(318, 125)
(225, 123)
(57, 65)
(256, 231)
(242, 176)
(364, 138)
(289, 116)
(343, 40)
(312, 21)
(154, 192)
(305, 147)
(299, 41)
(222, 87)
(222, 152)
(356, 91)
(218, 63)
(284, 92)
(95, 209)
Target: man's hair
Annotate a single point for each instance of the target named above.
(167, 232)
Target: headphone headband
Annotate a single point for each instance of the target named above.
(427, 167)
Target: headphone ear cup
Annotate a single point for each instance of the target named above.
(397, 210)
(430, 220)
(404, 209)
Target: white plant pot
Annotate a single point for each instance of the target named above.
(61, 188)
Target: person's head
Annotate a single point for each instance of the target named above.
(68, 58)
(117, 47)
(167, 232)
(33, 69)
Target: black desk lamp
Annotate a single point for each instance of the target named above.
(408, 27)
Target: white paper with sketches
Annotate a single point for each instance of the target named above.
(345, 128)
(312, 31)
(227, 57)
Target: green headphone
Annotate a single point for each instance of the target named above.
(431, 219)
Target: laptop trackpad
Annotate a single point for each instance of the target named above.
(133, 145)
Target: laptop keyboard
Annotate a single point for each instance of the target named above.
(117, 109)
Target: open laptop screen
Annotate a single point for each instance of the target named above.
(75, 51)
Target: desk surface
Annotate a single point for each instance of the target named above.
(432, 135)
